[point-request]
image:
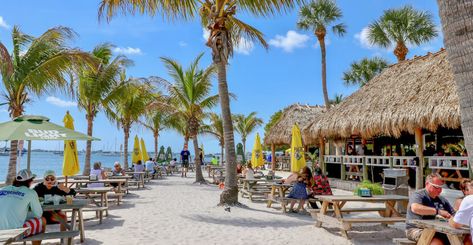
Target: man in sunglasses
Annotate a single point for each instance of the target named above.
(50, 187)
(427, 204)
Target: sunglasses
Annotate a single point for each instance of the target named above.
(50, 179)
(435, 186)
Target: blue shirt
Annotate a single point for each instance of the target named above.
(185, 154)
(422, 197)
(15, 202)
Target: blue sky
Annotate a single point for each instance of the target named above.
(263, 80)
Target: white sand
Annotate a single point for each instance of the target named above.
(175, 211)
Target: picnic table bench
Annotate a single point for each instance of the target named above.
(139, 181)
(9, 236)
(455, 236)
(101, 206)
(254, 187)
(120, 181)
(389, 216)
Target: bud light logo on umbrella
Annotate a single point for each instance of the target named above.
(44, 134)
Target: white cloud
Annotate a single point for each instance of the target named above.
(182, 44)
(3, 110)
(245, 46)
(3, 23)
(205, 33)
(59, 102)
(127, 50)
(290, 41)
(362, 38)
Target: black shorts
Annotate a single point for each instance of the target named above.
(185, 163)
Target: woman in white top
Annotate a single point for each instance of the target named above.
(249, 173)
(99, 173)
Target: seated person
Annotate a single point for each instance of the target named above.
(466, 186)
(463, 217)
(15, 202)
(248, 172)
(118, 170)
(321, 184)
(49, 186)
(239, 168)
(138, 167)
(425, 204)
(98, 173)
(299, 190)
(149, 166)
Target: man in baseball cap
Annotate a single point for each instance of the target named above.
(15, 202)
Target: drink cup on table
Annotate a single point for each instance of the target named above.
(69, 199)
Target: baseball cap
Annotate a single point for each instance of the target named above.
(49, 173)
(24, 175)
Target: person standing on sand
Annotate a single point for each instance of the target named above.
(185, 155)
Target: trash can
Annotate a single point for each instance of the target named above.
(395, 182)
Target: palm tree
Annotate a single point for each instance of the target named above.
(94, 86)
(190, 100)
(455, 17)
(156, 121)
(215, 128)
(245, 125)
(127, 104)
(363, 71)
(317, 16)
(337, 99)
(401, 27)
(35, 66)
(226, 30)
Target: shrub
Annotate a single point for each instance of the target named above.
(376, 188)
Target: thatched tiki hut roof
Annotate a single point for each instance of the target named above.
(417, 93)
(281, 132)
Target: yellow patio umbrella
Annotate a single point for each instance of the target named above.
(144, 153)
(136, 155)
(297, 150)
(257, 153)
(70, 164)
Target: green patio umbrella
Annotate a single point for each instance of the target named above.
(30, 128)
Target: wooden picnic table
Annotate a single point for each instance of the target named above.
(9, 236)
(76, 208)
(212, 169)
(278, 190)
(256, 186)
(141, 177)
(455, 236)
(119, 181)
(388, 214)
(102, 191)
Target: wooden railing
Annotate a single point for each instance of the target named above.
(353, 160)
(444, 162)
(399, 161)
(378, 161)
(333, 159)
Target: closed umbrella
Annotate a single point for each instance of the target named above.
(136, 156)
(144, 153)
(297, 150)
(257, 153)
(70, 164)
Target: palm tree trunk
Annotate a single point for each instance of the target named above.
(401, 51)
(324, 70)
(88, 148)
(244, 147)
(455, 16)
(126, 131)
(229, 195)
(199, 178)
(11, 173)
(156, 146)
(221, 155)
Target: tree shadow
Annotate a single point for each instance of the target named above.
(245, 222)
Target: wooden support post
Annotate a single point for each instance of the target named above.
(273, 157)
(321, 155)
(420, 155)
(365, 170)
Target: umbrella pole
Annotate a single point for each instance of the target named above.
(29, 155)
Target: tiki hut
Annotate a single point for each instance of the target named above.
(414, 94)
(281, 132)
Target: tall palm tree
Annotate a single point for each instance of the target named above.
(127, 104)
(94, 86)
(363, 71)
(456, 23)
(190, 99)
(215, 128)
(179, 125)
(156, 121)
(35, 66)
(245, 125)
(318, 16)
(226, 30)
(400, 27)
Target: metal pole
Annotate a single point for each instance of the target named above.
(29, 155)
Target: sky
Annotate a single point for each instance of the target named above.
(264, 81)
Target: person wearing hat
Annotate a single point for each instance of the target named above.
(49, 186)
(15, 202)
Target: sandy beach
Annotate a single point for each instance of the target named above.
(175, 211)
